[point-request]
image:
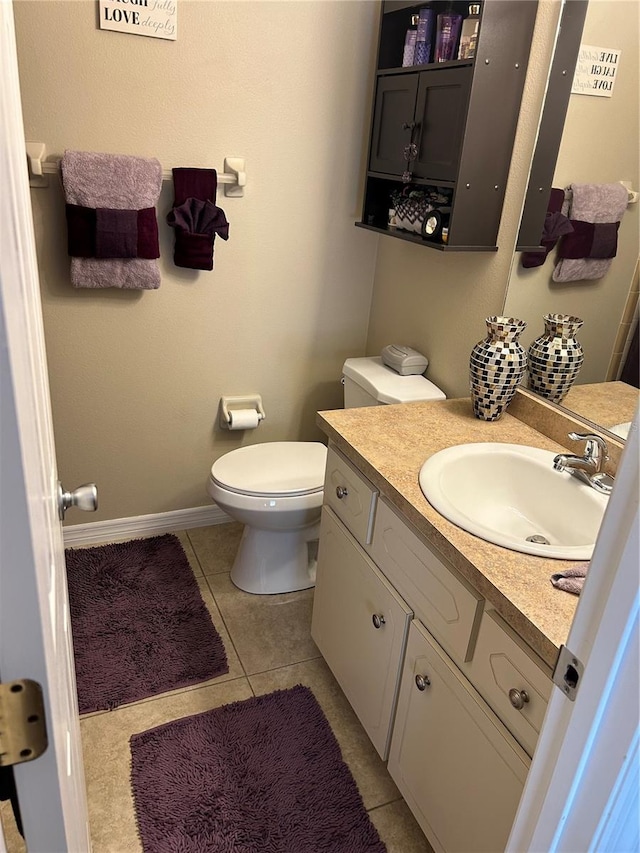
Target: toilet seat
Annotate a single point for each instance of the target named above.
(273, 469)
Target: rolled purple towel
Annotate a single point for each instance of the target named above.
(571, 580)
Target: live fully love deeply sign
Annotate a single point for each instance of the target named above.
(154, 18)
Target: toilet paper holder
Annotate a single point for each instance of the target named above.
(230, 404)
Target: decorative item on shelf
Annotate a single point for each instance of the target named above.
(413, 207)
(469, 34)
(496, 367)
(424, 38)
(447, 33)
(555, 358)
(408, 53)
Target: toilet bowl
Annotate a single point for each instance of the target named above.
(275, 490)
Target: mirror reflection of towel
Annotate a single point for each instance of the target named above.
(595, 204)
(555, 225)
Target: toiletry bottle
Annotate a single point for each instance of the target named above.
(447, 32)
(424, 38)
(469, 34)
(410, 42)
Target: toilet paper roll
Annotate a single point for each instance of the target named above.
(243, 419)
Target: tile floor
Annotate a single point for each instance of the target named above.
(269, 647)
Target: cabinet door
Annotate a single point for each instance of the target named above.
(456, 765)
(441, 110)
(392, 122)
(352, 597)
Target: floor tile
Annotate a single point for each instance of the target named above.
(105, 740)
(399, 830)
(216, 546)
(190, 553)
(267, 631)
(370, 772)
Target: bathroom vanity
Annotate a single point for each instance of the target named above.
(443, 644)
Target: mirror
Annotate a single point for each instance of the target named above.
(599, 144)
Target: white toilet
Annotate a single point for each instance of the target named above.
(275, 489)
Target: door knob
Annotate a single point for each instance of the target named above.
(84, 497)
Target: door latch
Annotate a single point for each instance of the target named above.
(568, 673)
(23, 730)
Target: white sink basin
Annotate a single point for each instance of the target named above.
(507, 493)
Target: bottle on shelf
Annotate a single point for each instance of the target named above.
(447, 33)
(424, 38)
(408, 53)
(469, 33)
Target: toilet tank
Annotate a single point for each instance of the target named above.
(369, 382)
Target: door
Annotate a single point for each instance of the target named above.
(35, 639)
(393, 123)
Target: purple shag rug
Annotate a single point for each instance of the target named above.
(265, 774)
(140, 626)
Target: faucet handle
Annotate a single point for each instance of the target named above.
(596, 447)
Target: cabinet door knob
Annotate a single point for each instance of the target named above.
(408, 125)
(422, 682)
(518, 698)
(378, 620)
(341, 492)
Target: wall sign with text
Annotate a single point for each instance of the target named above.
(596, 71)
(157, 19)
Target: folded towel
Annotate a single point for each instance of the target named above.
(196, 218)
(113, 182)
(571, 580)
(596, 204)
(590, 240)
(555, 225)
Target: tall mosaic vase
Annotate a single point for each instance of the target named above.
(555, 358)
(496, 367)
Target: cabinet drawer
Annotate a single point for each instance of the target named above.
(350, 495)
(366, 660)
(502, 662)
(456, 765)
(449, 607)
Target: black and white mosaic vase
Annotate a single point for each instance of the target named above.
(496, 367)
(555, 358)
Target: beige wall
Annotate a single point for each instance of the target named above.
(436, 301)
(136, 376)
(600, 144)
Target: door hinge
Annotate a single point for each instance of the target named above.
(23, 730)
(568, 673)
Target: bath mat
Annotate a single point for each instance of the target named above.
(140, 626)
(265, 774)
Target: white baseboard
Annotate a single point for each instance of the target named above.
(118, 529)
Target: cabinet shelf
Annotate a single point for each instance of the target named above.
(409, 237)
(431, 66)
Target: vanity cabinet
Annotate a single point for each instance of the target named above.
(448, 127)
(427, 666)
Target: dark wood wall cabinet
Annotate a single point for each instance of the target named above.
(446, 129)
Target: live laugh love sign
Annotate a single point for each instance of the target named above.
(154, 18)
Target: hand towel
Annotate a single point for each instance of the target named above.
(596, 204)
(555, 225)
(114, 182)
(571, 580)
(196, 218)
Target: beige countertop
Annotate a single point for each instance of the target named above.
(603, 403)
(390, 443)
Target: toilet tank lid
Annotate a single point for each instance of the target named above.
(387, 386)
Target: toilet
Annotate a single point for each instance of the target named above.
(275, 489)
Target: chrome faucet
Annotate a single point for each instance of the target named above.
(589, 467)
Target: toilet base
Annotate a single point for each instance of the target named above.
(275, 561)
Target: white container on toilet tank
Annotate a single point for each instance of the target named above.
(369, 382)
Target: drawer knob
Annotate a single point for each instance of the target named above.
(422, 682)
(518, 698)
(341, 492)
(378, 621)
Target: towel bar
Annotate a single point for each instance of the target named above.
(234, 177)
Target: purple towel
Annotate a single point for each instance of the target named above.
(596, 204)
(81, 232)
(196, 218)
(555, 225)
(590, 240)
(571, 580)
(116, 182)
